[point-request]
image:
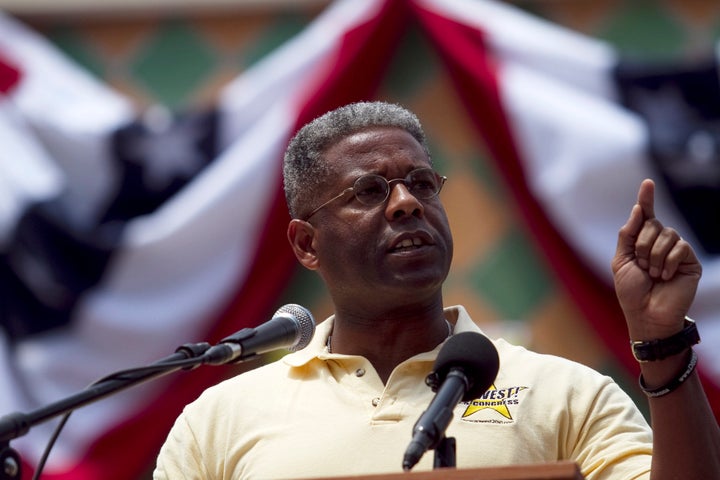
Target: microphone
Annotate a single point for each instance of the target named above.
(464, 369)
(291, 327)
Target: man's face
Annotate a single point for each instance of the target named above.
(399, 250)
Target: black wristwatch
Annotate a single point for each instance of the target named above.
(667, 347)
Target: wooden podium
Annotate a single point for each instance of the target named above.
(564, 470)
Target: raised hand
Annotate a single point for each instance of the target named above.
(656, 272)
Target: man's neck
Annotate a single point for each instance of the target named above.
(389, 339)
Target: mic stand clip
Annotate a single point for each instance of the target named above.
(9, 462)
(445, 453)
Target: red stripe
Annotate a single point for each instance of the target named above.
(9, 75)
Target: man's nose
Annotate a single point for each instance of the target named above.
(401, 202)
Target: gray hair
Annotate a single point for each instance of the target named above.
(303, 169)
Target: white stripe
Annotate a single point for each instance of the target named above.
(27, 174)
(574, 146)
(292, 68)
(526, 40)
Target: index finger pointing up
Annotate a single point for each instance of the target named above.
(646, 198)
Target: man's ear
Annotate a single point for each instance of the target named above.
(301, 235)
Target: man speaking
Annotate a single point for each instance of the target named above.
(367, 217)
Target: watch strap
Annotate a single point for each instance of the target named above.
(648, 351)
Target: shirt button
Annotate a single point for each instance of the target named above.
(360, 372)
(375, 402)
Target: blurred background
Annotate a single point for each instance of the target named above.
(181, 54)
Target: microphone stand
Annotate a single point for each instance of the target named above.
(17, 424)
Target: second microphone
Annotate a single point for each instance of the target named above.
(292, 327)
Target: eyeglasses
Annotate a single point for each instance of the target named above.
(372, 189)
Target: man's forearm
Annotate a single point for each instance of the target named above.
(686, 437)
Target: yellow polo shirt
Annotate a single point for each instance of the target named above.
(316, 414)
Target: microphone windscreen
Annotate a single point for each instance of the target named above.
(305, 323)
(475, 354)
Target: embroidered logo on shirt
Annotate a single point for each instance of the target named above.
(496, 405)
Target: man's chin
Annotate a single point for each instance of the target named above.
(412, 284)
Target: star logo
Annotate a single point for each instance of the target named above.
(495, 399)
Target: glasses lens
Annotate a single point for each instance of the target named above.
(423, 183)
(371, 189)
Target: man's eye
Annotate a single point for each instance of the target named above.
(370, 191)
(422, 185)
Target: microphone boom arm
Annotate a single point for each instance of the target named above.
(18, 424)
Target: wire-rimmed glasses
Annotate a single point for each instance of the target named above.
(372, 189)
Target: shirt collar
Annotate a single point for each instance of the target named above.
(317, 348)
